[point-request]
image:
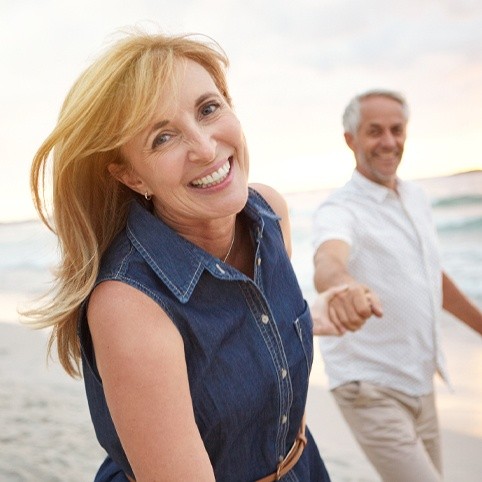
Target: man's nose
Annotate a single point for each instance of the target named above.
(388, 140)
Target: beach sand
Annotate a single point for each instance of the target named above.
(46, 432)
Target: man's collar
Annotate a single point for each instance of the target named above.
(376, 191)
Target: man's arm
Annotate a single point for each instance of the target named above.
(350, 308)
(455, 302)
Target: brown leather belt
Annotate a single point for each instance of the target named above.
(291, 457)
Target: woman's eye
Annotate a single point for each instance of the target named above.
(209, 108)
(160, 139)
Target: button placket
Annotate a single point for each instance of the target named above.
(272, 339)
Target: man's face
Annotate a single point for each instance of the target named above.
(379, 141)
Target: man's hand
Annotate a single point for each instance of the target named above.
(343, 308)
(353, 306)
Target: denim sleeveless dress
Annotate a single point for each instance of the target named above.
(248, 345)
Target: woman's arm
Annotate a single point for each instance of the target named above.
(140, 357)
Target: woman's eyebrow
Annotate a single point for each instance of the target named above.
(154, 128)
(205, 96)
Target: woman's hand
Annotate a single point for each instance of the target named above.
(323, 325)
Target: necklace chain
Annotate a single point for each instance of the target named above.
(231, 245)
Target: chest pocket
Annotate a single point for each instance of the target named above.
(304, 330)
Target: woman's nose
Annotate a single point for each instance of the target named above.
(202, 146)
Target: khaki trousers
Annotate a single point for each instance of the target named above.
(398, 433)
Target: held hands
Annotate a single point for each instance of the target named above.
(343, 308)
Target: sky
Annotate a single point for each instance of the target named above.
(294, 66)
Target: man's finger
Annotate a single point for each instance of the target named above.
(376, 305)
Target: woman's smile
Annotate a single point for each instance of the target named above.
(216, 177)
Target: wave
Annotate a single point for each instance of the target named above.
(461, 224)
(457, 200)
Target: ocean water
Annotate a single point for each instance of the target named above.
(40, 404)
(28, 250)
(457, 209)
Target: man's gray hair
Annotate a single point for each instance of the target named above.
(352, 114)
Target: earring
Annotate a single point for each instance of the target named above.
(147, 196)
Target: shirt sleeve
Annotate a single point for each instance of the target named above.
(332, 221)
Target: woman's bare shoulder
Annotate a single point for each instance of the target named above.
(273, 198)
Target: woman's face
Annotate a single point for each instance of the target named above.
(192, 157)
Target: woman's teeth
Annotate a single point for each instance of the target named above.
(215, 178)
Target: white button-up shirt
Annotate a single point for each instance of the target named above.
(394, 251)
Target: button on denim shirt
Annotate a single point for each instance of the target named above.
(248, 343)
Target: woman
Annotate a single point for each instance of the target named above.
(175, 287)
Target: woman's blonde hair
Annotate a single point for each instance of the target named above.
(112, 101)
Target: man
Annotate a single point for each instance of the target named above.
(376, 236)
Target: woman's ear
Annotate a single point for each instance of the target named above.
(128, 177)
